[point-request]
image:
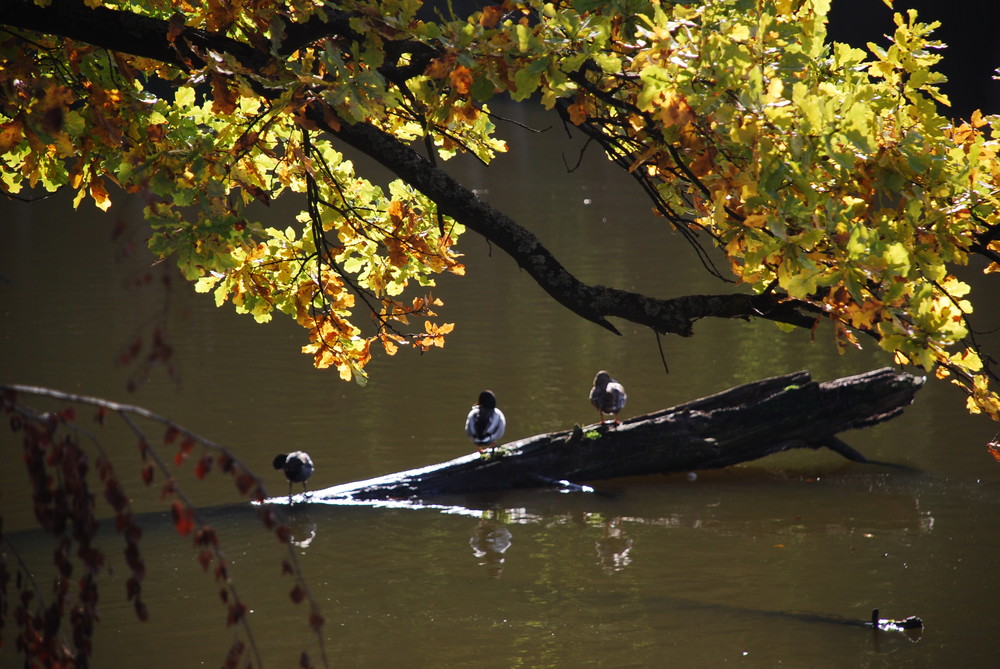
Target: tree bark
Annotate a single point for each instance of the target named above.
(741, 424)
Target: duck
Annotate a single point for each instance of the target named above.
(485, 423)
(297, 467)
(608, 396)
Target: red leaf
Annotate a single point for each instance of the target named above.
(147, 473)
(206, 537)
(132, 587)
(244, 482)
(203, 467)
(205, 557)
(233, 658)
(266, 516)
(284, 533)
(297, 594)
(236, 612)
(316, 621)
(170, 434)
(183, 518)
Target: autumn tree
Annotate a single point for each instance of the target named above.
(823, 173)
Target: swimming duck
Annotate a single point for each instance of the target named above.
(607, 395)
(297, 466)
(485, 423)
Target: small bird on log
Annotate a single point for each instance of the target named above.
(297, 467)
(608, 396)
(485, 424)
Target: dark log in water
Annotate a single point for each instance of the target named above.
(741, 424)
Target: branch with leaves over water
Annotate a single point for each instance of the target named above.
(824, 174)
(58, 448)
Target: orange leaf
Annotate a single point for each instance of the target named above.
(461, 79)
(223, 99)
(994, 449)
(577, 112)
(491, 16)
(100, 194)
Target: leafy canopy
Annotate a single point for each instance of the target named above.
(825, 173)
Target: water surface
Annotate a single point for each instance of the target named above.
(755, 566)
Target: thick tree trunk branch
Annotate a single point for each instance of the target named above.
(124, 31)
(741, 424)
(148, 37)
(595, 303)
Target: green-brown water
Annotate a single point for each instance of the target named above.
(653, 572)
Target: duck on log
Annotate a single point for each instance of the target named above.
(737, 425)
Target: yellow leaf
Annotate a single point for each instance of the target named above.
(741, 33)
(100, 194)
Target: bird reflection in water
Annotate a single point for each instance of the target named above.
(489, 543)
(303, 529)
(613, 548)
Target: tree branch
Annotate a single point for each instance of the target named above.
(148, 37)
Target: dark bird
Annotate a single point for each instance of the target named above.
(607, 396)
(297, 466)
(485, 423)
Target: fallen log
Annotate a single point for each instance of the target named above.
(737, 425)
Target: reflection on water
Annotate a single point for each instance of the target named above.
(699, 571)
(490, 541)
(613, 548)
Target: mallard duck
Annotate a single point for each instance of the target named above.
(485, 423)
(607, 395)
(297, 466)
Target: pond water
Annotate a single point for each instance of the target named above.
(760, 565)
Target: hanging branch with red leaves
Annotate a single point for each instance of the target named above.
(59, 633)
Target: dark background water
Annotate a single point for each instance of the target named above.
(666, 570)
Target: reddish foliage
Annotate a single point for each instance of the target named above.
(266, 516)
(297, 594)
(244, 482)
(183, 518)
(205, 558)
(233, 657)
(203, 467)
(284, 533)
(994, 450)
(206, 536)
(226, 463)
(237, 610)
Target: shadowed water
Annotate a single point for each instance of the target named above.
(757, 565)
